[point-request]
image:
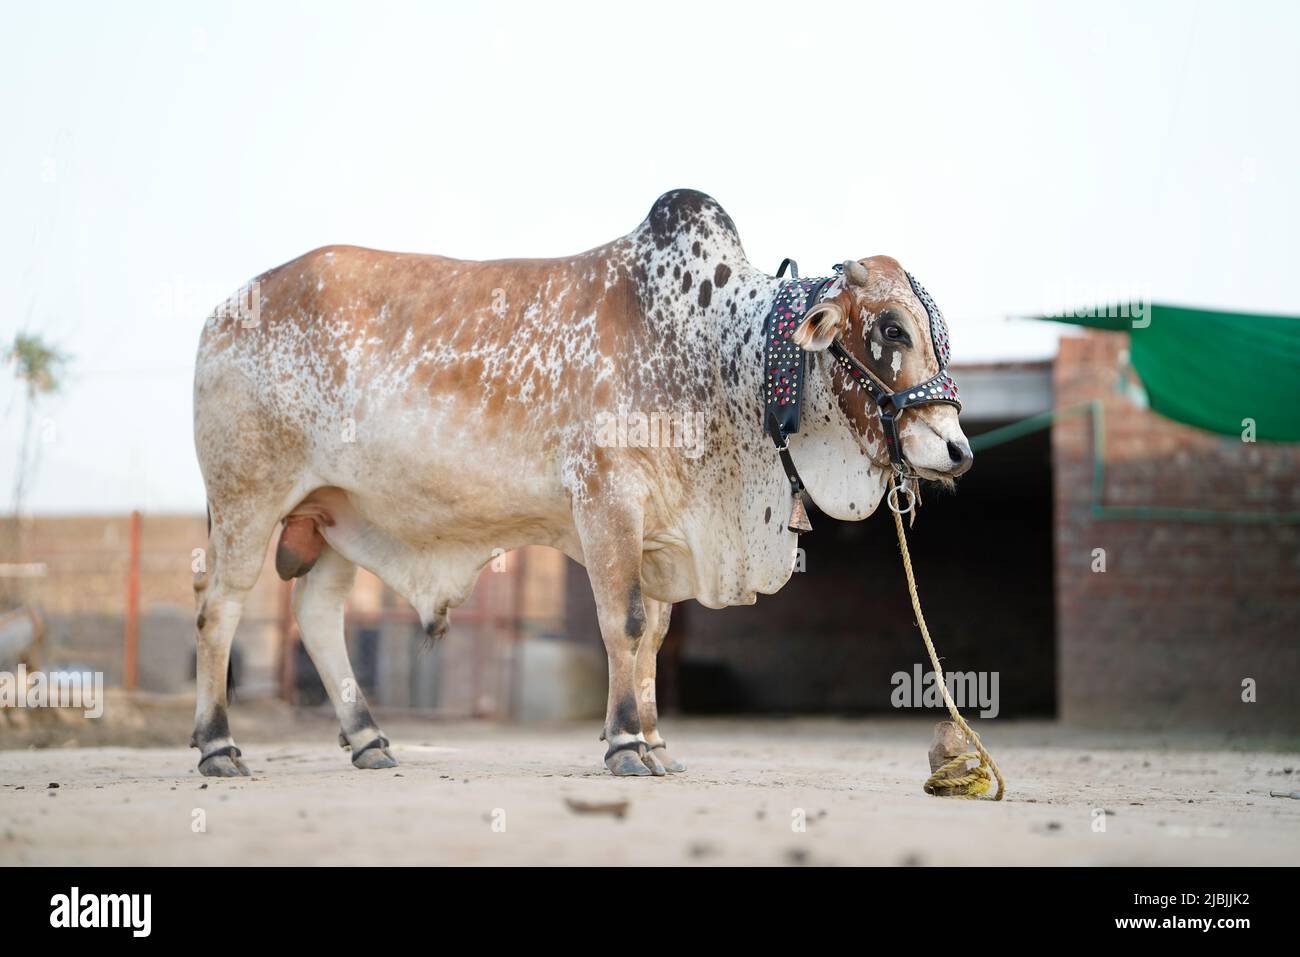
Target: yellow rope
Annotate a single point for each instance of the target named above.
(969, 785)
(975, 781)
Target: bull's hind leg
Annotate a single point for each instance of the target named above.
(657, 615)
(318, 601)
(611, 545)
(237, 546)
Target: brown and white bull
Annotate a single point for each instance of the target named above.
(414, 415)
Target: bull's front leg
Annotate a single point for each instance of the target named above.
(657, 616)
(611, 545)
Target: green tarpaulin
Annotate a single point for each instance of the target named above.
(1214, 370)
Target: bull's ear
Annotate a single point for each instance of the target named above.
(820, 326)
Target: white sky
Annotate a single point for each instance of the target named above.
(1013, 156)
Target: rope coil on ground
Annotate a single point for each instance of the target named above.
(975, 781)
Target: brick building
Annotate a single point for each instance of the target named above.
(1186, 610)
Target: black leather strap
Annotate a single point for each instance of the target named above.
(794, 268)
(783, 452)
(630, 746)
(229, 751)
(376, 743)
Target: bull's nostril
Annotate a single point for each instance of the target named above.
(957, 453)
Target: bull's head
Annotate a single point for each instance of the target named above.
(874, 311)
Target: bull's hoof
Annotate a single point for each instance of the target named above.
(223, 764)
(627, 764)
(669, 763)
(650, 760)
(374, 758)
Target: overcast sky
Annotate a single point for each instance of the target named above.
(1012, 156)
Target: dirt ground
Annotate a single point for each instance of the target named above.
(478, 793)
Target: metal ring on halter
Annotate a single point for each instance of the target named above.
(891, 499)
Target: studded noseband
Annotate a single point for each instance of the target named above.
(784, 365)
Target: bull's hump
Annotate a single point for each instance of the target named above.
(688, 212)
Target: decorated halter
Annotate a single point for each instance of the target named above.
(784, 364)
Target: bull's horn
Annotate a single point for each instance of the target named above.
(855, 272)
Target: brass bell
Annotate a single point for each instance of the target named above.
(799, 517)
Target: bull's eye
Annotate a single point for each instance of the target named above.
(890, 328)
(894, 333)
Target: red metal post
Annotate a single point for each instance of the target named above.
(131, 649)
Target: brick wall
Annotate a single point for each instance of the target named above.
(81, 590)
(86, 559)
(1184, 611)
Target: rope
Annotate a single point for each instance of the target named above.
(976, 781)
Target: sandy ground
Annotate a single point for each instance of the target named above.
(474, 793)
